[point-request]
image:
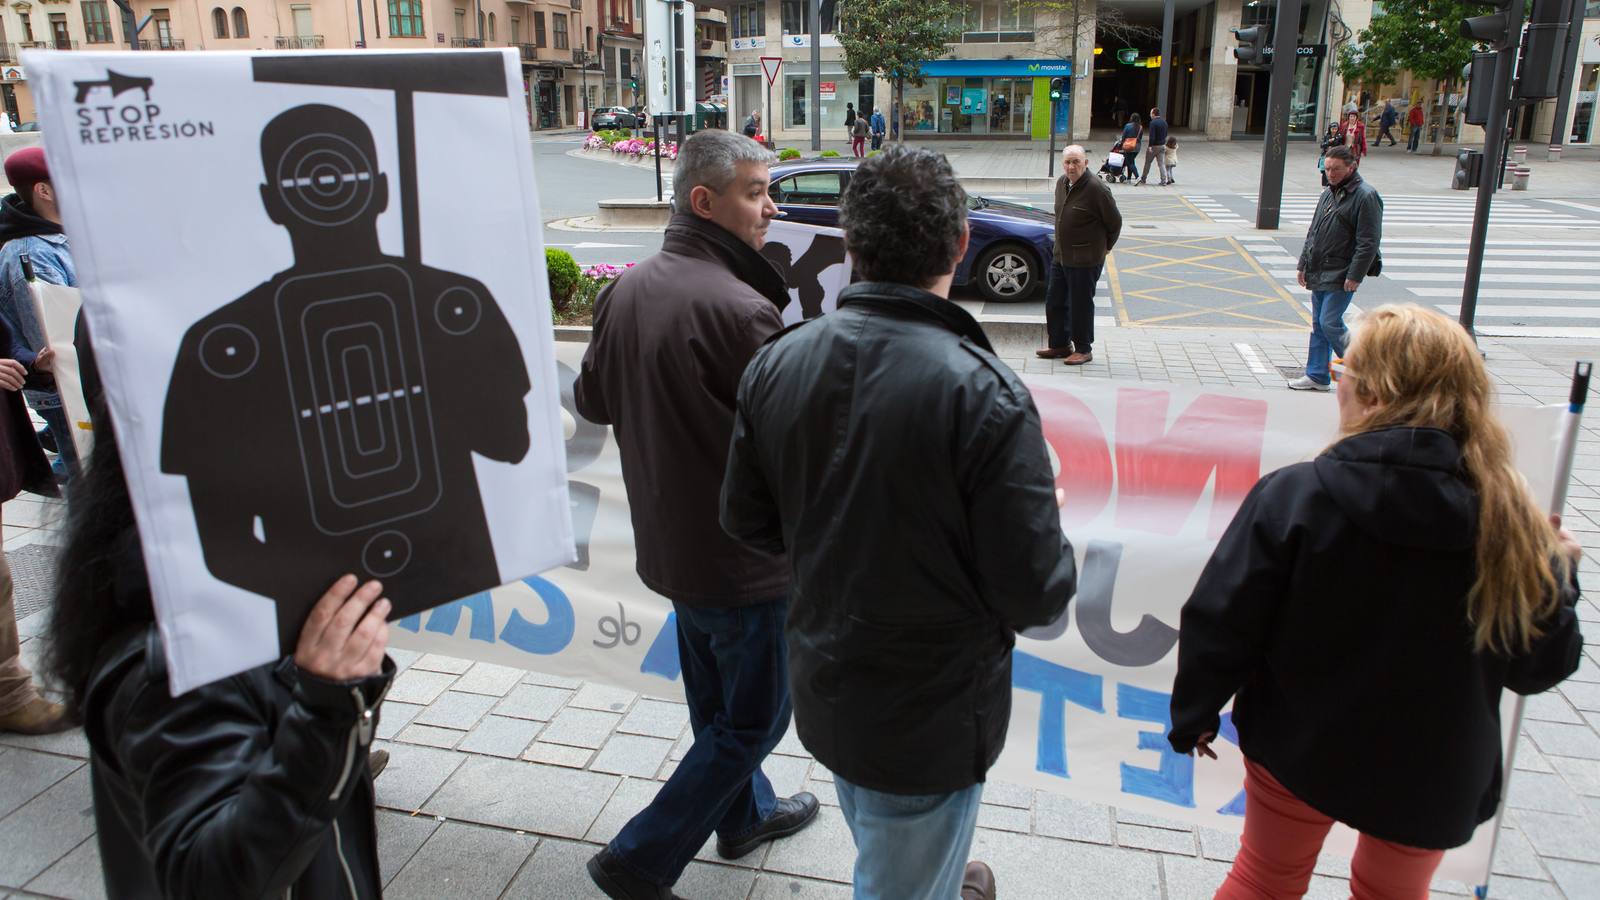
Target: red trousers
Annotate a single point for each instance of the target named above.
(1282, 837)
(858, 146)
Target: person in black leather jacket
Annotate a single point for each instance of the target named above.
(256, 785)
(1368, 608)
(902, 468)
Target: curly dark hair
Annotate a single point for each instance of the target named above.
(903, 216)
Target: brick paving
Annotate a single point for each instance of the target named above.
(503, 781)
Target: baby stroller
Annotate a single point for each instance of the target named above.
(1114, 169)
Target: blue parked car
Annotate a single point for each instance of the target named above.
(1009, 255)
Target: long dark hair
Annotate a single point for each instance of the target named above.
(1136, 121)
(100, 586)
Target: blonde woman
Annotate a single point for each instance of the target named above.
(1368, 608)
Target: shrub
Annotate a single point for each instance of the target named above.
(829, 154)
(564, 276)
(788, 153)
(874, 152)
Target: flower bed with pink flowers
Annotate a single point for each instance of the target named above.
(630, 148)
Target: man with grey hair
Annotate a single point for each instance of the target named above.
(1088, 224)
(891, 411)
(671, 338)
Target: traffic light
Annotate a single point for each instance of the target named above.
(1480, 87)
(1543, 49)
(1493, 28)
(1058, 88)
(1252, 44)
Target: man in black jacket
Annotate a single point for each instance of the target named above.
(670, 341)
(1156, 149)
(1088, 224)
(1341, 249)
(902, 468)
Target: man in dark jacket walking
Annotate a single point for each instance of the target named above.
(1156, 150)
(1087, 226)
(671, 339)
(894, 412)
(1341, 249)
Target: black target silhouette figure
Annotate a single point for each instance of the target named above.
(327, 421)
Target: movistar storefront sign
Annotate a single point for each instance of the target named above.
(999, 68)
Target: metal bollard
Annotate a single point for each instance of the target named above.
(1519, 178)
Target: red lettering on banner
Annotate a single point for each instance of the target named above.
(1162, 472)
(1080, 445)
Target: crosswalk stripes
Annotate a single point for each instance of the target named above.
(1445, 210)
(1562, 274)
(1216, 211)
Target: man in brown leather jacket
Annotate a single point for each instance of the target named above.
(1087, 226)
(671, 340)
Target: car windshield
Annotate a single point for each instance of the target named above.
(976, 202)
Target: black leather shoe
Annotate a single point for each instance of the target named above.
(619, 884)
(790, 815)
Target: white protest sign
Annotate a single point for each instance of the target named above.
(1153, 475)
(56, 307)
(328, 349)
(814, 264)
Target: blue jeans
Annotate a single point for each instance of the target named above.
(61, 429)
(909, 846)
(1329, 336)
(736, 677)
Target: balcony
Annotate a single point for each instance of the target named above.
(299, 42)
(40, 45)
(620, 26)
(714, 49)
(171, 44)
(530, 52)
(707, 14)
(474, 43)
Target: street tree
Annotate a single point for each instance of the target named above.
(1063, 26)
(893, 38)
(1417, 36)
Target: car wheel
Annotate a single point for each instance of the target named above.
(1007, 273)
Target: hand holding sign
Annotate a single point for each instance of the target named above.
(345, 636)
(11, 374)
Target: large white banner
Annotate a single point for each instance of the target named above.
(323, 325)
(1153, 474)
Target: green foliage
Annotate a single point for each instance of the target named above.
(830, 153)
(873, 152)
(1421, 36)
(564, 276)
(1359, 66)
(893, 38)
(788, 153)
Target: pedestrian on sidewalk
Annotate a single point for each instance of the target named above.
(30, 225)
(673, 413)
(858, 137)
(1387, 121)
(1355, 136)
(878, 128)
(1088, 224)
(1330, 139)
(22, 467)
(1172, 160)
(1416, 120)
(891, 410)
(1119, 111)
(849, 116)
(1341, 249)
(1132, 133)
(1411, 559)
(1156, 151)
(256, 785)
(752, 124)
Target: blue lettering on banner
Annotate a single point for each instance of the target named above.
(1173, 780)
(1057, 686)
(555, 634)
(1230, 734)
(662, 658)
(444, 619)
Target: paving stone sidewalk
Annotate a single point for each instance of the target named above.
(504, 781)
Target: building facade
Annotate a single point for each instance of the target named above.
(558, 41)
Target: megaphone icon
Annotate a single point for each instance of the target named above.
(117, 82)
